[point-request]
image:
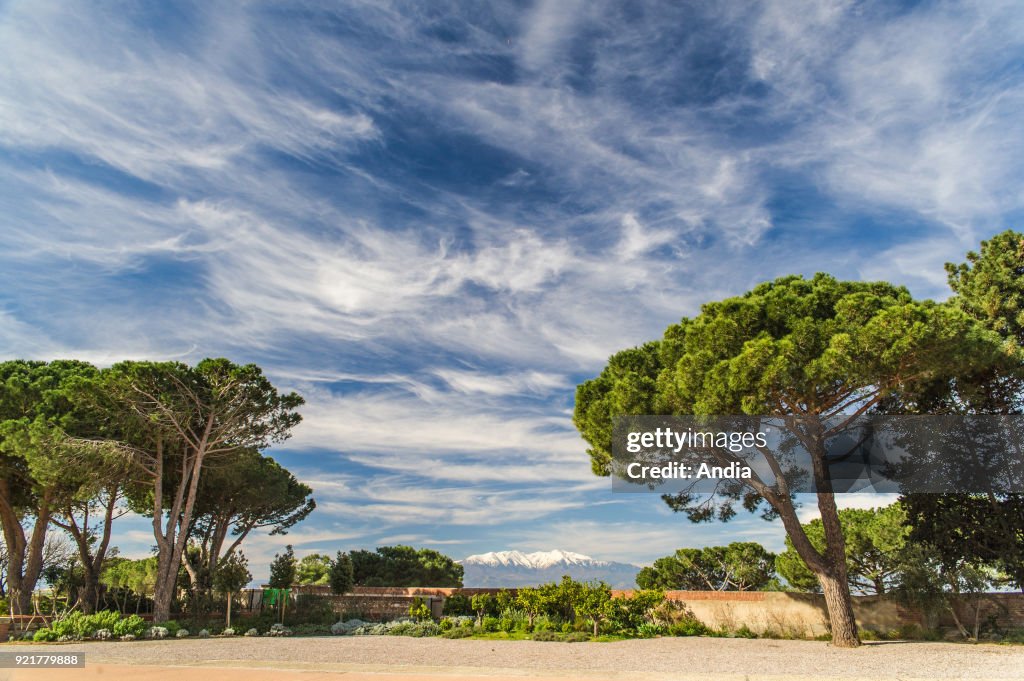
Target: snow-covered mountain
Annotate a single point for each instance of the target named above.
(515, 568)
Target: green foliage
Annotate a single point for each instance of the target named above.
(531, 600)
(875, 539)
(232, 573)
(482, 603)
(419, 610)
(172, 627)
(283, 569)
(593, 603)
(627, 614)
(45, 635)
(405, 566)
(490, 624)
(459, 604)
(990, 285)
(313, 569)
(973, 528)
(135, 576)
(133, 624)
(341, 575)
(786, 343)
(504, 600)
(458, 632)
(928, 583)
(740, 566)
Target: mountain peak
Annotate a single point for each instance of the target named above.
(514, 568)
(536, 560)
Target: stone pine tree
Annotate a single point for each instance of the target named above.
(178, 421)
(790, 347)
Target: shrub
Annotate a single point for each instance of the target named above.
(457, 604)
(44, 635)
(490, 624)
(446, 624)
(73, 626)
(104, 619)
(419, 610)
(688, 627)
(649, 630)
(566, 627)
(744, 632)
(182, 633)
(458, 632)
(545, 636)
(577, 637)
(228, 632)
(425, 629)
(157, 632)
(543, 624)
(171, 626)
(279, 630)
(103, 635)
(128, 637)
(507, 624)
(133, 625)
(399, 628)
(203, 633)
(252, 632)
(343, 628)
(311, 630)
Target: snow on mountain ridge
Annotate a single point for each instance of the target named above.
(539, 560)
(511, 569)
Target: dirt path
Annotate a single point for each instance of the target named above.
(391, 658)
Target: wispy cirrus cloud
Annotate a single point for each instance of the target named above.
(434, 220)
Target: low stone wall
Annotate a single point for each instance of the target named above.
(797, 614)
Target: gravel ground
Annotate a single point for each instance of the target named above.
(681, 656)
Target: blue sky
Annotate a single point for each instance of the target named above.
(434, 219)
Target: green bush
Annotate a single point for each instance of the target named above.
(446, 624)
(648, 630)
(744, 632)
(490, 624)
(507, 624)
(133, 624)
(457, 604)
(543, 624)
(401, 629)
(1014, 636)
(171, 626)
(577, 637)
(104, 619)
(44, 635)
(688, 627)
(458, 632)
(419, 610)
(546, 636)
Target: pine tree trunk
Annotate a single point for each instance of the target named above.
(840, 611)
